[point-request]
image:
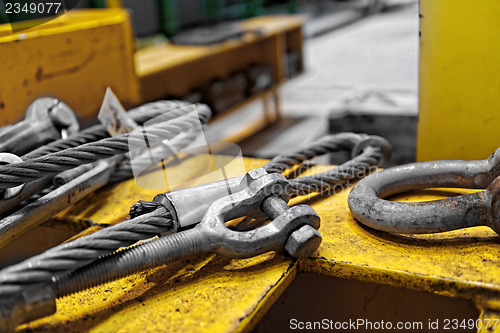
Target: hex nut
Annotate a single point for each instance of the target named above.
(303, 242)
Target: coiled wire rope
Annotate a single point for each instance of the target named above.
(149, 221)
(30, 170)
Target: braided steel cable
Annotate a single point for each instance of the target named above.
(124, 170)
(91, 134)
(356, 168)
(167, 109)
(353, 169)
(30, 170)
(65, 258)
(327, 144)
(80, 252)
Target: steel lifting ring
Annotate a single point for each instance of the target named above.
(477, 209)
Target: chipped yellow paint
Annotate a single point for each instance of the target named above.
(185, 297)
(215, 294)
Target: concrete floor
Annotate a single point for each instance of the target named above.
(376, 53)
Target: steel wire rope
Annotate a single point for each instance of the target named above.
(36, 168)
(105, 242)
(65, 258)
(326, 144)
(166, 109)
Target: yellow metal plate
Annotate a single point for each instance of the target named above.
(459, 85)
(200, 294)
(74, 57)
(210, 293)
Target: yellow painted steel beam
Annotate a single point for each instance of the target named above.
(459, 81)
(214, 294)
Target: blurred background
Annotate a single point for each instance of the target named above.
(276, 73)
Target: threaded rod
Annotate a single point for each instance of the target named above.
(133, 260)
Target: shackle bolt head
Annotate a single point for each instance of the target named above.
(303, 242)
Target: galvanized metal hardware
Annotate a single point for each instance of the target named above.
(188, 206)
(476, 209)
(154, 219)
(47, 119)
(293, 230)
(31, 304)
(44, 166)
(172, 109)
(300, 241)
(52, 203)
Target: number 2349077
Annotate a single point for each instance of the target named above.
(33, 8)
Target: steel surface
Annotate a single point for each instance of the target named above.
(209, 293)
(367, 203)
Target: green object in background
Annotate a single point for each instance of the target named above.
(253, 8)
(220, 10)
(169, 22)
(292, 6)
(98, 3)
(213, 10)
(258, 7)
(234, 9)
(289, 6)
(3, 16)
